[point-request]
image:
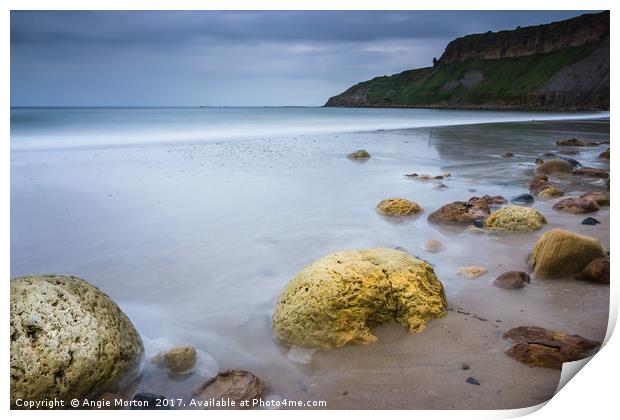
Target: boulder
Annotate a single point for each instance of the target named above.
(335, 300)
(398, 207)
(604, 155)
(591, 173)
(536, 346)
(515, 219)
(68, 340)
(597, 271)
(560, 253)
(471, 272)
(239, 388)
(551, 191)
(555, 166)
(512, 280)
(460, 212)
(570, 142)
(576, 205)
(360, 154)
(600, 197)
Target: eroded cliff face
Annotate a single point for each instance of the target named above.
(559, 66)
(531, 40)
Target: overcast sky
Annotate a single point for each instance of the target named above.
(227, 58)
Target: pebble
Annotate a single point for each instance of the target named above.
(590, 221)
(522, 199)
(465, 366)
(472, 380)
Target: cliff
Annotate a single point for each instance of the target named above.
(558, 66)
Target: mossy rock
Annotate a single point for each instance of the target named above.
(335, 300)
(360, 154)
(560, 253)
(550, 192)
(398, 207)
(68, 340)
(516, 219)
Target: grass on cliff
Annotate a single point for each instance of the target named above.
(503, 79)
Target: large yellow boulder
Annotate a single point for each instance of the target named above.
(560, 253)
(516, 219)
(335, 300)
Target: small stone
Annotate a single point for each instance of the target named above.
(536, 346)
(597, 271)
(512, 280)
(593, 144)
(433, 245)
(570, 142)
(149, 401)
(398, 207)
(508, 155)
(236, 386)
(601, 197)
(472, 380)
(539, 161)
(576, 205)
(180, 359)
(360, 154)
(522, 199)
(604, 155)
(591, 172)
(551, 192)
(590, 221)
(465, 366)
(472, 271)
(479, 223)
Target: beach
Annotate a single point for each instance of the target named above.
(194, 237)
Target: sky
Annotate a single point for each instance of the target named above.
(234, 58)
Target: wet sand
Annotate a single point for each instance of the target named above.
(195, 243)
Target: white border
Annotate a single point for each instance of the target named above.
(591, 395)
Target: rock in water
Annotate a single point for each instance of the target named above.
(522, 199)
(570, 142)
(180, 359)
(508, 155)
(604, 155)
(536, 346)
(554, 166)
(576, 205)
(597, 271)
(238, 386)
(538, 184)
(335, 300)
(512, 280)
(398, 207)
(460, 212)
(600, 197)
(516, 219)
(360, 154)
(590, 221)
(550, 192)
(592, 172)
(472, 271)
(433, 245)
(560, 253)
(68, 340)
